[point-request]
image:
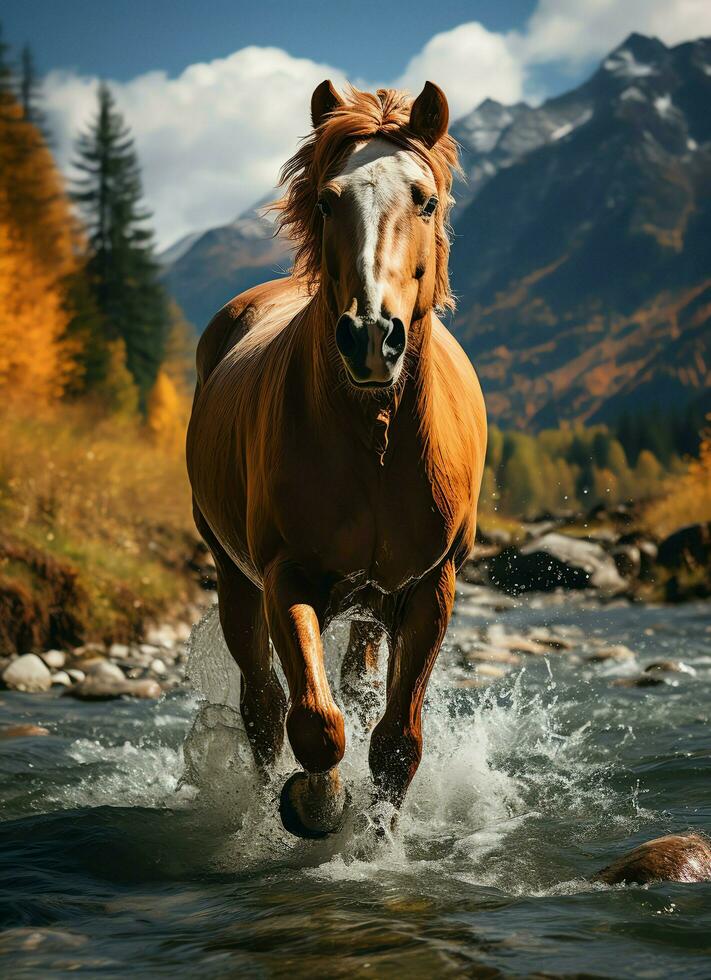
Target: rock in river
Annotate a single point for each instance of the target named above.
(23, 731)
(676, 857)
(99, 688)
(555, 561)
(27, 673)
(106, 671)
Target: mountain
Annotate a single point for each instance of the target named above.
(582, 265)
(581, 255)
(204, 270)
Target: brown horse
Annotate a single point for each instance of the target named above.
(336, 445)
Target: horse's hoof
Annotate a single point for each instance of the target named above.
(313, 805)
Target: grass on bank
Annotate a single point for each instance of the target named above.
(95, 527)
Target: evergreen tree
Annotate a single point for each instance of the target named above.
(30, 96)
(122, 269)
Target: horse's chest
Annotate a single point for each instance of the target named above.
(349, 515)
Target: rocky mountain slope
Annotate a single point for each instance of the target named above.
(582, 264)
(204, 270)
(581, 256)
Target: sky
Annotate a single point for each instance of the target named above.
(217, 92)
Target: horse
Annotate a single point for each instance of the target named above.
(336, 447)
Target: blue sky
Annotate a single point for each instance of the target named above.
(216, 92)
(122, 38)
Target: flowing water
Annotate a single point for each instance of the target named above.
(137, 840)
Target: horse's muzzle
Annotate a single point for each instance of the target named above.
(372, 350)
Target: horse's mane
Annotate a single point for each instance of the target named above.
(322, 156)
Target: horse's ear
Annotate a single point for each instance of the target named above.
(429, 116)
(324, 100)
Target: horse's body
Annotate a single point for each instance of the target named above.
(317, 497)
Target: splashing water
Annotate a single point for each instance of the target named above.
(498, 767)
(144, 826)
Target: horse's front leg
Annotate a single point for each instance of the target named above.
(312, 802)
(396, 743)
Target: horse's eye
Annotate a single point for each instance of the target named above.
(430, 206)
(324, 207)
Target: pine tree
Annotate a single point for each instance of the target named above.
(30, 96)
(122, 268)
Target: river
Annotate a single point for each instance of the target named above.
(113, 864)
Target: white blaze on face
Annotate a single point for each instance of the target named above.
(379, 176)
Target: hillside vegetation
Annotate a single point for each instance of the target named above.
(95, 367)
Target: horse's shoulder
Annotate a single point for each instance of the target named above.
(255, 307)
(453, 364)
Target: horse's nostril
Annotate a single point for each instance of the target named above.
(346, 335)
(394, 341)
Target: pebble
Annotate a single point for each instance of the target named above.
(549, 639)
(161, 636)
(619, 652)
(105, 670)
(23, 731)
(493, 671)
(182, 632)
(55, 659)
(157, 666)
(75, 674)
(493, 655)
(148, 649)
(61, 678)
(97, 688)
(87, 663)
(88, 649)
(119, 651)
(670, 667)
(27, 673)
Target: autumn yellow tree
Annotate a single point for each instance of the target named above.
(37, 253)
(167, 413)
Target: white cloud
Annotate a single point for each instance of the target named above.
(210, 141)
(575, 32)
(470, 64)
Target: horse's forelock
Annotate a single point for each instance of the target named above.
(322, 156)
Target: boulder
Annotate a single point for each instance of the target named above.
(555, 561)
(689, 546)
(23, 731)
(616, 652)
(675, 857)
(27, 673)
(627, 559)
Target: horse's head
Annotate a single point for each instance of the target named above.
(376, 173)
